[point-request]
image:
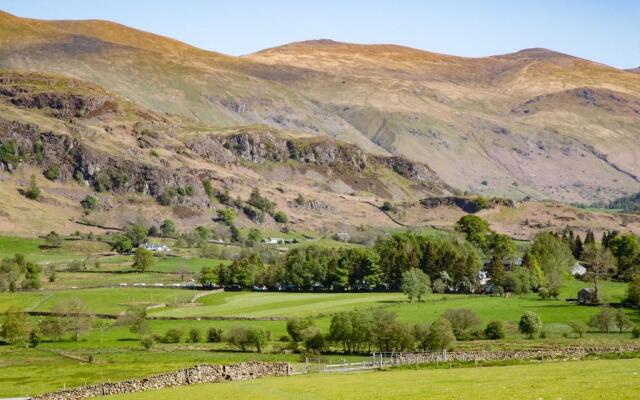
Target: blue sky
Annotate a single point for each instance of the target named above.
(607, 31)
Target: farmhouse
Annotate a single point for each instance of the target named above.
(156, 248)
(277, 240)
(578, 270)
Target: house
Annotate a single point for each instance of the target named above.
(508, 264)
(578, 270)
(156, 248)
(586, 296)
(277, 240)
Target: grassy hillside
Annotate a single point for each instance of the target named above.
(535, 122)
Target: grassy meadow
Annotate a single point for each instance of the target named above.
(601, 379)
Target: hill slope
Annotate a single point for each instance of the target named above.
(533, 123)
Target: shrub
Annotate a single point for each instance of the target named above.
(495, 330)
(89, 203)
(530, 324)
(147, 342)
(214, 335)
(441, 336)
(227, 215)
(605, 320)
(387, 206)
(208, 188)
(52, 173)
(635, 332)
(195, 335)
(579, 328)
(281, 217)
(173, 335)
(461, 320)
(297, 326)
(33, 192)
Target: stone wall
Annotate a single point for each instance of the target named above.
(187, 376)
(466, 356)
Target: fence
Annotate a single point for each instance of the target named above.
(380, 360)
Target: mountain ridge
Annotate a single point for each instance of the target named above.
(533, 121)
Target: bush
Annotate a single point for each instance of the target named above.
(214, 335)
(195, 335)
(441, 336)
(635, 332)
(530, 324)
(281, 217)
(33, 192)
(387, 206)
(579, 328)
(147, 342)
(461, 320)
(52, 173)
(89, 203)
(605, 320)
(495, 330)
(172, 336)
(297, 326)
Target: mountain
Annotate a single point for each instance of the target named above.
(534, 123)
(634, 70)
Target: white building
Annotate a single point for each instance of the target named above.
(156, 248)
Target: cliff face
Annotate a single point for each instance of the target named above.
(259, 147)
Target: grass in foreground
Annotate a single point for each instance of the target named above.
(601, 379)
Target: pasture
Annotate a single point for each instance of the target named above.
(599, 379)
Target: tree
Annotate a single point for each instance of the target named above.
(626, 249)
(53, 240)
(253, 237)
(501, 246)
(579, 328)
(208, 188)
(441, 335)
(530, 324)
(258, 338)
(633, 291)
(147, 342)
(475, 230)
(76, 317)
(281, 217)
(495, 330)
(33, 192)
(622, 320)
(238, 336)
(605, 320)
(143, 259)
(599, 264)
(415, 284)
(89, 203)
(15, 328)
(260, 202)
(296, 327)
(421, 333)
(136, 320)
(52, 328)
(462, 320)
(531, 264)
(214, 335)
(35, 337)
(208, 276)
(168, 228)
(136, 232)
(227, 215)
(173, 335)
(496, 271)
(555, 258)
(195, 336)
(122, 244)
(313, 340)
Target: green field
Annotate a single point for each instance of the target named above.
(601, 379)
(103, 300)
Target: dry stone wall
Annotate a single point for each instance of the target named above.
(207, 373)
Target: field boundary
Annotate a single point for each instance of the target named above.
(204, 373)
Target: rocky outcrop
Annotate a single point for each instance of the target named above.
(470, 205)
(72, 159)
(207, 373)
(265, 146)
